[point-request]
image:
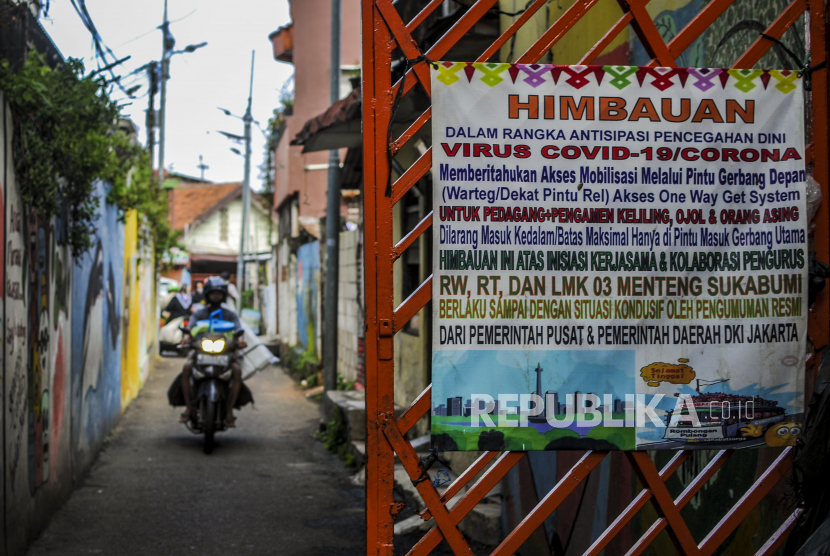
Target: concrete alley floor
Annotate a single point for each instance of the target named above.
(268, 487)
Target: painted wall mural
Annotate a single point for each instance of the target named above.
(36, 275)
(33, 341)
(727, 38)
(96, 356)
(38, 367)
(60, 377)
(308, 285)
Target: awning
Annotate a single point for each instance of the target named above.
(227, 258)
(336, 128)
(339, 127)
(202, 257)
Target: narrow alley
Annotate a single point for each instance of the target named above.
(268, 488)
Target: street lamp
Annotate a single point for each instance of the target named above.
(166, 52)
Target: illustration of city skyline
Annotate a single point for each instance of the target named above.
(464, 373)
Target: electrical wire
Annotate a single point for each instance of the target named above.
(98, 44)
(154, 29)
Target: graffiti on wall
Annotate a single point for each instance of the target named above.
(36, 282)
(36, 260)
(61, 351)
(16, 377)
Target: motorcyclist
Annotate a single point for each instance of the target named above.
(216, 292)
(199, 293)
(179, 305)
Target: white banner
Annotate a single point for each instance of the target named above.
(620, 257)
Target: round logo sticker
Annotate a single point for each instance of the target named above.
(790, 361)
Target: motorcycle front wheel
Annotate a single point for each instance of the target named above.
(209, 420)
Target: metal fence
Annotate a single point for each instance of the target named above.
(384, 31)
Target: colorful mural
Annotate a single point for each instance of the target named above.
(36, 275)
(5, 153)
(727, 38)
(96, 339)
(61, 350)
(308, 283)
(739, 27)
(670, 17)
(36, 278)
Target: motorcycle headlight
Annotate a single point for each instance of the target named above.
(213, 346)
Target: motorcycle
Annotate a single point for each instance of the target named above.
(210, 381)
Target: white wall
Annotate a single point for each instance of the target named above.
(287, 288)
(205, 236)
(350, 312)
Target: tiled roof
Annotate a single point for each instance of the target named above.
(193, 203)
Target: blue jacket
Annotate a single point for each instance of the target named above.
(204, 314)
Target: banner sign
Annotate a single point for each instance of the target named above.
(620, 257)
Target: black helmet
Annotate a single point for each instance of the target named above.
(214, 283)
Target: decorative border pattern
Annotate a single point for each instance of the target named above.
(621, 77)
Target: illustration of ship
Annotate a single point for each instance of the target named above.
(721, 416)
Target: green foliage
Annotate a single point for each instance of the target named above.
(274, 131)
(335, 437)
(65, 139)
(625, 438)
(301, 364)
(248, 299)
(343, 384)
(133, 188)
(515, 438)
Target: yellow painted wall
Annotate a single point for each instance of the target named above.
(130, 371)
(587, 31)
(140, 321)
(527, 34)
(576, 43)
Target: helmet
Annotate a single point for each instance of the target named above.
(214, 283)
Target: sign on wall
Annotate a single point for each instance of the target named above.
(620, 257)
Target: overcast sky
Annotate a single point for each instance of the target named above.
(216, 75)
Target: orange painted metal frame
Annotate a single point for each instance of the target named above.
(383, 31)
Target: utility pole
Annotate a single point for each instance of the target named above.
(153, 74)
(165, 73)
(167, 44)
(332, 221)
(246, 194)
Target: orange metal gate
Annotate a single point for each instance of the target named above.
(383, 32)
